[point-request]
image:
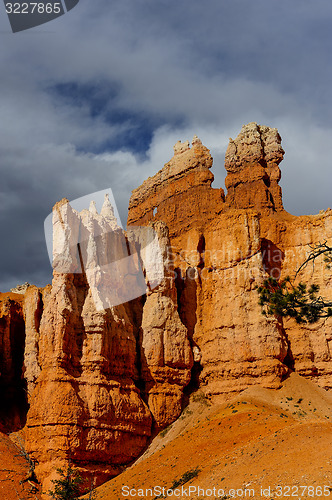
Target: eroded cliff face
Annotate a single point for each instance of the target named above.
(183, 183)
(98, 379)
(165, 351)
(222, 248)
(133, 319)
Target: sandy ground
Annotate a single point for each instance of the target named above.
(262, 439)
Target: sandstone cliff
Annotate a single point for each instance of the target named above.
(165, 352)
(223, 247)
(135, 319)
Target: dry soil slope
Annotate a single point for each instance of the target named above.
(14, 469)
(262, 438)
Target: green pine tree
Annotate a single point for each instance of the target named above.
(301, 302)
(67, 487)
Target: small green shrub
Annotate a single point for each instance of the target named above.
(187, 476)
(199, 397)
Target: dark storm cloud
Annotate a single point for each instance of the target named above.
(97, 98)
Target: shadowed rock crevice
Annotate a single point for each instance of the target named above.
(201, 252)
(272, 257)
(187, 298)
(187, 306)
(13, 386)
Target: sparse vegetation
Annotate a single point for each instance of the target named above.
(92, 492)
(31, 475)
(186, 412)
(187, 476)
(165, 431)
(199, 397)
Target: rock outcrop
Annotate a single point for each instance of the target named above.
(21, 288)
(165, 352)
(132, 319)
(170, 195)
(85, 401)
(253, 174)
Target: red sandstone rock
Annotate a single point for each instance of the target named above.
(85, 405)
(34, 299)
(166, 355)
(180, 194)
(253, 174)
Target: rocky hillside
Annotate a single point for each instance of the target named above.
(91, 372)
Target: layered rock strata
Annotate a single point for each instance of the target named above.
(183, 184)
(253, 174)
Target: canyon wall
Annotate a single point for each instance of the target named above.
(135, 319)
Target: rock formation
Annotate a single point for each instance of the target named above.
(132, 319)
(82, 353)
(21, 288)
(253, 174)
(170, 195)
(222, 248)
(166, 355)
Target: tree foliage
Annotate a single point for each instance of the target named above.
(67, 487)
(301, 302)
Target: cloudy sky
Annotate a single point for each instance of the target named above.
(97, 98)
